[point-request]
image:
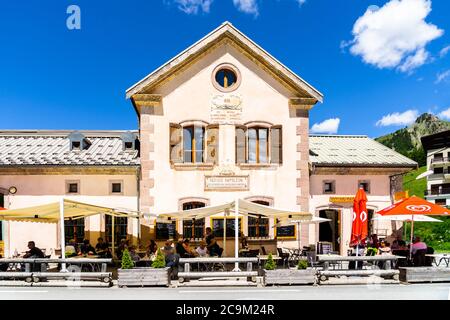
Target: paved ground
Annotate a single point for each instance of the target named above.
(331, 292)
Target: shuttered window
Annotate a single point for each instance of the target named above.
(175, 143)
(276, 145)
(253, 145)
(212, 144)
(240, 145)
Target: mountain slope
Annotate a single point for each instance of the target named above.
(407, 140)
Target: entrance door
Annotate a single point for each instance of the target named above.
(330, 231)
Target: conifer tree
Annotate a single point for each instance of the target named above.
(127, 262)
(160, 260)
(270, 264)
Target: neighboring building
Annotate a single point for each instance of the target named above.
(96, 167)
(437, 147)
(340, 164)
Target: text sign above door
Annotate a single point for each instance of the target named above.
(226, 183)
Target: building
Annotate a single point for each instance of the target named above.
(437, 148)
(221, 120)
(340, 164)
(224, 119)
(39, 167)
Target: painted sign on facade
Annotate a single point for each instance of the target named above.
(226, 183)
(341, 199)
(226, 109)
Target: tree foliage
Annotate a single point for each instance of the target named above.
(270, 263)
(160, 260)
(127, 262)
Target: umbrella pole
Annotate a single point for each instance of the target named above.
(112, 235)
(411, 237)
(63, 236)
(225, 232)
(236, 234)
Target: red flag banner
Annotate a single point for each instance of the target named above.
(360, 219)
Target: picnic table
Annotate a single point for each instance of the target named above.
(442, 258)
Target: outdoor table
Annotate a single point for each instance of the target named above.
(442, 257)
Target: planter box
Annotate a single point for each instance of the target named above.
(290, 276)
(424, 274)
(142, 277)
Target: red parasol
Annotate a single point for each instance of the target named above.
(359, 226)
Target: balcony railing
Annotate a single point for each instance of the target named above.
(439, 192)
(440, 160)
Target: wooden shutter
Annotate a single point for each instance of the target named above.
(240, 145)
(212, 144)
(276, 145)
(176, 154)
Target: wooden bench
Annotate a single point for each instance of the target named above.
(386, 272)
(424, 274)
(187, 273)
(33, 274)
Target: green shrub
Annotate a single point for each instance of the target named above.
(160, 260)
(270, 263)
(302, 264)
(127, 262)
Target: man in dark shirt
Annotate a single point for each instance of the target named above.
(211, 244)
(34, 251)
(86, 247)
(102, 249)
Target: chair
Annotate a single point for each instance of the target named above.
(419, 258)
(263, 250)
(283, 255)
(429, 260)
(253, 253)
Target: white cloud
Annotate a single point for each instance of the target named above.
(445, 114)
(301, 2)
(329, 126)
(247, 6)
(442, 76)
(444, 51)
(193, 6)
(398, 119)
(395, 35)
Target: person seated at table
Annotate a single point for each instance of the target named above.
(373, 241)
(102, 248)
(384, 248)
(134, 256)
(211, 244)
(71, 248)
(244, 243)
(122, 246)
(181, 249)
(187, 247)
(152, 248)
(172, 258)
(86, 248)
(34, 251)
(418, 245)
(201, 250)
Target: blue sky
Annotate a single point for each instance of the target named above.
(396, 61)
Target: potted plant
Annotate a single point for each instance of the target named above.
(157, 275)
(298, 275)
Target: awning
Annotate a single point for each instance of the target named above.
(50, 213)
(246, 208)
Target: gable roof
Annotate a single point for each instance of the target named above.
(50, 148)
(347, 150)
(227, 31)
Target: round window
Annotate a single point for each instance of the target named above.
(226, 78)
